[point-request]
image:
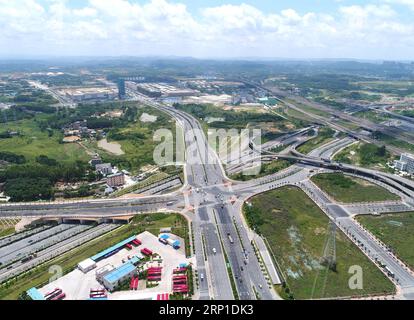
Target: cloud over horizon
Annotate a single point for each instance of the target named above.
(374, 30)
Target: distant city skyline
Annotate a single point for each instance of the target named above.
(320, 29)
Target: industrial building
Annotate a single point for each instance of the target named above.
(88, 94)
(158, 90)
(87, 265)
(35, 294)
(166, 239)
(101, 272)
(107, 252)
(406, 163)
(115, 277)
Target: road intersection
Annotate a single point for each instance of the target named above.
(213, 203)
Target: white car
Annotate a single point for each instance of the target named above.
(214, 250)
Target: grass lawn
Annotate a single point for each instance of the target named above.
(32, 143)
(40, 275)
(4, 232)
(325, 135)
(265, 169)
(308, 108)
(8, 227)
(349, 189)
(296, 230)
(396, 230)
(373, 116)
(365, 155)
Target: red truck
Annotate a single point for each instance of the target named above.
(146, 252)
(53, 294)
(60, 297)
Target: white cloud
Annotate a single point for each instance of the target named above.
(408, 3)
(115, 27)
(85, 12)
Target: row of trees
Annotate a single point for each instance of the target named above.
(12, 157)
(35, 181)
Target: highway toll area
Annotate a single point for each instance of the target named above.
(140, 267)
(396, 230)
(299, 236)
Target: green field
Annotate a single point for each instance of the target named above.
(393, 141)
(40, 276)
(372, 116)
(350, 189)
(34, 142)
(396, 230)
(137, 140)
(296, 230)
(308, 108)
(366, 155)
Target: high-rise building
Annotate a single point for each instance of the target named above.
(121, 88)
(406, 163)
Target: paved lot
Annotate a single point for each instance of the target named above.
(76, 285)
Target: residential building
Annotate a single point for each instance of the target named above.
(104, 168)
(96, 159)
(116, 180)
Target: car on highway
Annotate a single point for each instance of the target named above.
(214, 250)
(201, 276)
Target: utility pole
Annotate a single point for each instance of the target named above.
(329, 250)
(328, 259)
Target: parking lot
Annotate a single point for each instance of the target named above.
(77, 285)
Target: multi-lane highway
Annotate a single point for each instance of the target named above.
(213, 203)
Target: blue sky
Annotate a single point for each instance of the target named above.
(371, 29)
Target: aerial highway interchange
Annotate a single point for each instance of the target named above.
(213, 202)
